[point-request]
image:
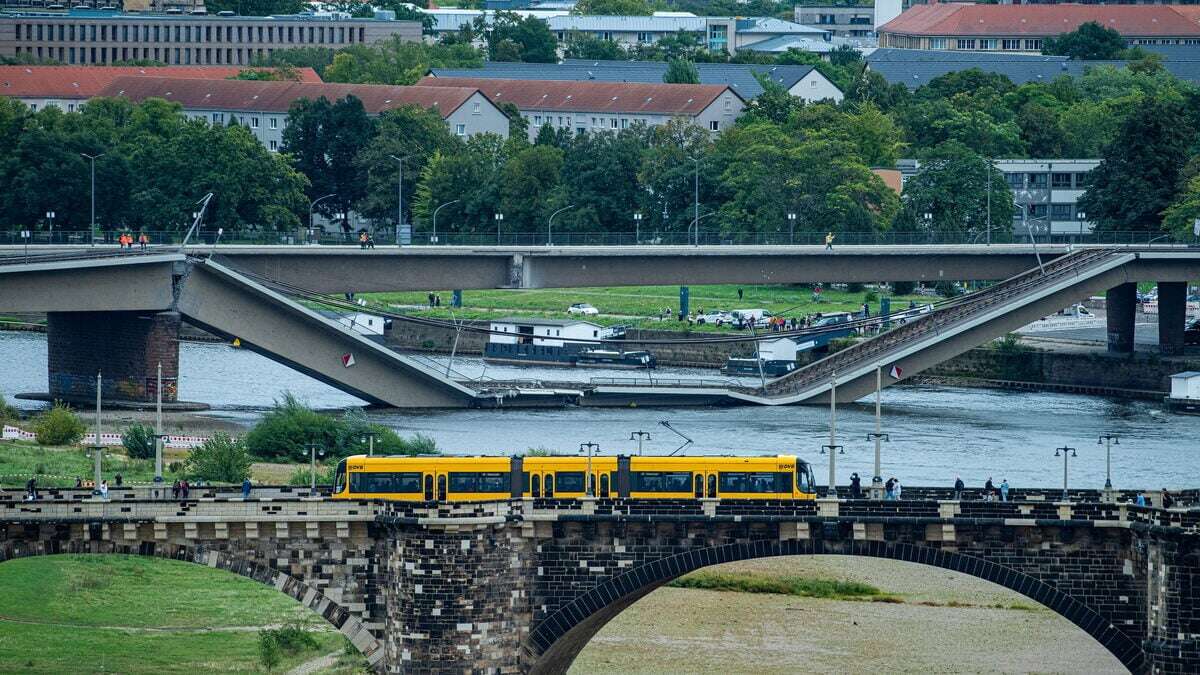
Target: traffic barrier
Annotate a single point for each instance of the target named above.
(12, 433)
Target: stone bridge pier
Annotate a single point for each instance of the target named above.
(124, 347)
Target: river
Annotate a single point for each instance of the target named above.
(935, 432)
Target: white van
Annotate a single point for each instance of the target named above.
(744, 318)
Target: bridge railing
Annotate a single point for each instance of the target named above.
(386, 237)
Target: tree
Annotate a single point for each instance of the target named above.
(614, 7)
(221, 459)
(59, 426)
(1139, 171)
(512, 38)
(324, 140)
(139, 441)
(878, 139)
(586, 46)
(317, 58)
(952, 186)
(255, 7)
(668, 177)
(269, 652)
(529, 186)
(284, 431)
(1181, 216)
(1089, 42)
(397, 61)
(1041, 130)
(470, 178)
(518, 124)
(600, 175)
(681, 72)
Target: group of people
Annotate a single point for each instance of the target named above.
(1165, 499)
(365, 240)
(891, 489)
(125, 239)
(435, 300)
(180, 489)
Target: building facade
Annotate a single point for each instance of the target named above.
(88, 38)
(840, 20)
(1023, 28)
(718, 33)
(262, 107)
(587, 107)
(1046, 192)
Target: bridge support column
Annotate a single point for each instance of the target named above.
(125, 347)
(1172, 316)
(1173, 577)
(1121, 306)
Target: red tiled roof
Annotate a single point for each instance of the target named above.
(89, 81)
(591, 96)
(952, 19)
(267, 96)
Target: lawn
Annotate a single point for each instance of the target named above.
(623, 304)
(139, 615)
(58, 466)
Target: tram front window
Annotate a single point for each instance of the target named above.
(340, 479)
(804, 477)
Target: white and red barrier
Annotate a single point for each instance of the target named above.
(12, 433)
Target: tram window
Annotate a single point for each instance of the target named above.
(524, 481)
(385, 482)
(661, 481)
(537, 486)
(604, 483)
(802, 482)
(755, 481)
(549, 486)
(478, 481)
(570, 481)
(340, 480)
(712, 485)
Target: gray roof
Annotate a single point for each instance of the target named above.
(782, 43)
(738, 76)
(1021, 71)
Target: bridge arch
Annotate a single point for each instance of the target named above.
(333, 613)
(557, 640)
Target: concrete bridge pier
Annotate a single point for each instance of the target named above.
(1172, 316)
(1121, 307)
(125, 347)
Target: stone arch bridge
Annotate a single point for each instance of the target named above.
(521, 586)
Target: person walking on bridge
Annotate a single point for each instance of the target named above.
(855, 486)
(143, 241)
(829, 241)
(1004, 489)
(959, 486)
(246, 487)
(989, 490)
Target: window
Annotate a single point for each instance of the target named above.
(987, 43)
(613, 123)
(253, 122)
(477, 108)
(460, 129)
(1083, 180)
(661, 481)
(645, 37)
(70, 107)
(1062, 211)
(624, 122)
(1037, 181)
(274, 146)
(274, 123)
(1037, 210)
(1033, 45)
(479, 481)
(569, 481)
(1016, 181)
(966, 44)
(714, 125)
(1060, 180)
(1010, 45)
(755, 481)
(407, 482)
(537, 119)
(729, 102)
(218, 117)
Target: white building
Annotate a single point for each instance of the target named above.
(543, 332)
(728, 34)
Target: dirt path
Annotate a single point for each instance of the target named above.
(316, 665)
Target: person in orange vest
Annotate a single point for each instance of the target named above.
(143, 240)
(121, 241)
(362, 239)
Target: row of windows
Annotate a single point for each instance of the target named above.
(497, 482)
(91, 32)
(981, 44)
(404, 482)
(1056, 180)
(1058, 212)
(761, 481)
(170, 55)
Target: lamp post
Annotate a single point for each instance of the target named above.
(93, 159)
(1032, 238)
(499, 220)
(550, 224)
(158, 432)
(313, 450)
(312, 228)
(1066, 453)
(1082, 219)
(833, 448)
(696, 200)
(640, 436)
(990, 166)
(1108, 440)
(50, 217)
(637, 227)
(370, 438)
(878, 436)
(791, 227)
(399, 196)
(587, 482)
(97, 448)
(433, 239)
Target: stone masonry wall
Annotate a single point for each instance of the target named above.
(1098, 369)
(125, 347)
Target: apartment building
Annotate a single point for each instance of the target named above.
(718, 33)
(263, 106)
(1022, 28)
(840, 20)
(586, 107)
(103, 37)
(1046, 191)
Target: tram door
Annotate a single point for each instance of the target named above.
(712, 486)
(535, 483)
(441, 481)
(428, 487)
(698, 480)
(604, 485)
(549, 485)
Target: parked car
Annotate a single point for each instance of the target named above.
(745, 318)
(582, 308)
(718, 317)
(1191, 334)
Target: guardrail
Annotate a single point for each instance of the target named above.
(663, 382)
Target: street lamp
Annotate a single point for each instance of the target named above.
(1082, 219)
(369, 437)
(791, 228)
(833, 448)
(50, 217)
(312, 228)
(93, 158)
(696, 200)
(499, 219)
(399, 195)
(313, 450)
(1066, 453)
(1108, 440)
(640, 436)
(1032, 239)
(878, 436)
(587, 483)
(550, 224)
(433, 237)
(637, 227)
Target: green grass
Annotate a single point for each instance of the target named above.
(783, 585)
(58, 466)
(91, 614)
(619, 304)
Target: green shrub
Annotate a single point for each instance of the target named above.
(541, 451)
(301, 476)
(59, 426)
(1010, 344)
(288, 427)
(175, 467)
(8, 414)
(948, 289)
(139, 441)
(269, 653)
(855, 287)
(870, 296)
(222, 459)
(904, 287)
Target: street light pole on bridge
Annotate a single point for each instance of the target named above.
(93, 158)
(878, 436)
(1108, 440)
(1066, 453)
(833, 448)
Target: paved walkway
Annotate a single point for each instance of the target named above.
(316, 665)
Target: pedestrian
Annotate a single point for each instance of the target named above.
(829, 241)
(437, 300)
(362, 239)
(739, 294)
(246, 487)
(988, 490)
(184, 488)
(896, 489)
(431, 300)
(370, 241)
(143, 240)
(118, 479)
(1141, 499)
(855, 486)
(1004, 489)
(1167, 500)
(31, 490)
(78, 482)
(959, 486)
(888, 488)
(866, 309)
(103, 489)
(175, 488)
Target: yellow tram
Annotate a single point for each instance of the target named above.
(465, 479)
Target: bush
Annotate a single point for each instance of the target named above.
(870, 296)
(288, 427)
(352, 432)
(904, 287)
(59, 426)
(268, 650)
(7, 412)
(301, 476)
(948, 289)
(855, 287)
(139, 441)
(222, 459)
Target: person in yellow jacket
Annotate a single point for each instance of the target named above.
(829, 241)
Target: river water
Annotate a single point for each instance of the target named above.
(935, 432)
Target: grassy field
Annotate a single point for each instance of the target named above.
(623, 304)
(122, 614)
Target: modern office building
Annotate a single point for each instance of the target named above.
(70, 86)
(583, 107)
(262, 106)
(1022, 28)
(804, 82)
(719, 33)
(846, 21)
(100, 37)
(1045, 190)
